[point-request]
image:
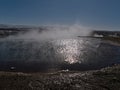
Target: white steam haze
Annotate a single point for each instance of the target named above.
(55, 32)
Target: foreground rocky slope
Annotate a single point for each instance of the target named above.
(104, 79)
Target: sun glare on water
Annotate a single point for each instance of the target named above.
(70, 50)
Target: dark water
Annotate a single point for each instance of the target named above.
(60, 54)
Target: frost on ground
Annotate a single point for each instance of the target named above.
(104, 79)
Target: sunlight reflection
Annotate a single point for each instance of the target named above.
(70, 50)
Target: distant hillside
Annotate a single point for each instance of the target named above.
(6, 30)
(100, 33)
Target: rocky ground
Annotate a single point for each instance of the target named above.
(104, 79)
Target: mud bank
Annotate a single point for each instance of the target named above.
(104, 79)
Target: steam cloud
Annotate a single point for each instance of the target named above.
(55, 32)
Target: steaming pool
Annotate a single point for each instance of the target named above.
(75, 54)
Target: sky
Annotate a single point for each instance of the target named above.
(91, 13)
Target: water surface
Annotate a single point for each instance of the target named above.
(58, 54)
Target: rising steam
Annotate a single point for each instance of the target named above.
(55, 32)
